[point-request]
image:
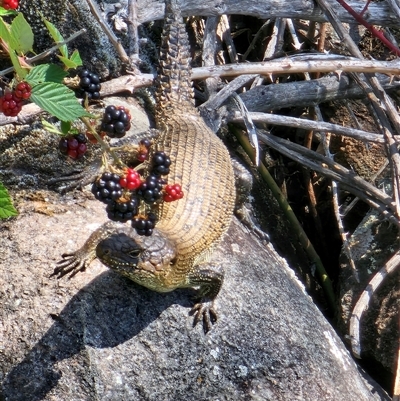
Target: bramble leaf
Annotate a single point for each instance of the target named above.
(58, 100)
(21, 72)
(6, 207)
(72, 62)
(76, 58)
(50, 127)
(45, 73)
(67, 62)
(21, 35)
(56, 35)
(5, 12)
(5, 31)
(65, 127)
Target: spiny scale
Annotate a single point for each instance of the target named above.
(173, 80)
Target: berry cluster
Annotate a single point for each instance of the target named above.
(11, 102)
(73, 145)
(151, 189)
(89, 84)
(144, 226)
(10, 105)
(172, 193)
(129, 196)
(10, 4)
(131, 180)
(123, 210)
(22, 91)
(161, 163)
(116, 121)
(107, 189)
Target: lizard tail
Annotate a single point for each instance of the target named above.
(173, 80)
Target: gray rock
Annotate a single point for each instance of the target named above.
(100, 336)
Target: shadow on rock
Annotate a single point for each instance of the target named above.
(107, 312)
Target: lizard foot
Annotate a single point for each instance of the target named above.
(71, 263)
(204, 311)
(76, 179)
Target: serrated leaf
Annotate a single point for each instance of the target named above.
(6, 207)
(21, 72)
(5, 31)
(68, 62)
(45, 73)
(56, 35)
(21, 35)
(58, 100)
(76, 58)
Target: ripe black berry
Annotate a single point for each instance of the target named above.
(143, 226)
(107, 189)
(116, 121)
(161, 163)
(123, 210)
(150, 190)
(89, 85)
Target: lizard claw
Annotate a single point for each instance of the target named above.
(71, 262)
(204, 311)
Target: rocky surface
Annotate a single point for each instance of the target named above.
(100, 336)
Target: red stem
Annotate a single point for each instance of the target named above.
(375, 32)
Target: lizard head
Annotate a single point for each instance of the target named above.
(136, 256)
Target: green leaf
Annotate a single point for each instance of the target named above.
(45, 73)
(5, 31)
(58, 100)
(5, 12)
(67, 62)
(76, 58)
(6, 207)
(21, 35)
(50, 127)
(21, 72)
(65, 127)
(56, 35)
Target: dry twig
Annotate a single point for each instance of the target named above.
(363, 302)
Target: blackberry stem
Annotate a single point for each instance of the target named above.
(103, 144)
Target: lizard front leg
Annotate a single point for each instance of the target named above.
(79, 260)
(209, 279)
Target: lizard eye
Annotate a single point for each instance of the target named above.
(134, 253)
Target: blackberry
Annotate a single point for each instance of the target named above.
(116, 121)
(10, 105)
(10, 4)
(151, 189)
(161, 163)
(22, 91)
(123, 211)
(89, 85)
(145, 142)
(107, 189)
(131, 180)
(172, 192)
(143, 226)
(73, 145)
